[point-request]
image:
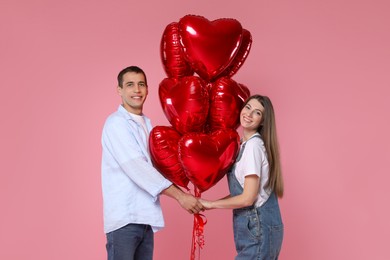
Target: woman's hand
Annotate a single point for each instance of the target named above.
(206, 204)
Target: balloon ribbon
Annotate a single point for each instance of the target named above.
(197, 232)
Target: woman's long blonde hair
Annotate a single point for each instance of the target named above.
(267, 130)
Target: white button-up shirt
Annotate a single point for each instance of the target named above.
(130, 184)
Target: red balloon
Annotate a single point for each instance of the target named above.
(210, 46)
(185, 103)
(172, 55)
(241, 56)
(226, 100)
(206, 158)
(163, 145)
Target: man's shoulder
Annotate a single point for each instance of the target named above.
(115, 118)
(119, 114)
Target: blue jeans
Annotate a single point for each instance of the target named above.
(258, 232)
(131, 242)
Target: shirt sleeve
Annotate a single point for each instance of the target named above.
(119, 139)
(252, 157)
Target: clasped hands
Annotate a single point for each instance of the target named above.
(193, 204)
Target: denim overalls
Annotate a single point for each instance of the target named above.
(258, 232)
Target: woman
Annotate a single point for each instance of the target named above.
(255, 183)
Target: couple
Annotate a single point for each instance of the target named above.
(132, 186)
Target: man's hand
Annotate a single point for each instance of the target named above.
(186, 201)
(190, 203)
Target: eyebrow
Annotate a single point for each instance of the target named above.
(129, 82)
(255, 108)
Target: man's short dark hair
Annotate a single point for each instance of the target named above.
(130, 69)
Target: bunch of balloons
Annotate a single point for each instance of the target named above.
(200, 100)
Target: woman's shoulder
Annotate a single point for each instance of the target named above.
(255, 139)
(254, 143)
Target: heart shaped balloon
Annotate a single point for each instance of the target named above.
(172, 55)
(185, 103)
(163, 145)
(241, 56)
(209, 46)
(206, 158)
(226, 100)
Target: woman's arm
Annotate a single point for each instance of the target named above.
(247, 198)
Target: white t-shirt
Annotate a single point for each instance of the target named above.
(141, 120)
(254, 162)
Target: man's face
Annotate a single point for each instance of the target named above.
(133, 92)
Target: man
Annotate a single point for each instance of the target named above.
(131, 185)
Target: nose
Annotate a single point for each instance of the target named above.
(136, 89)
(250, 113)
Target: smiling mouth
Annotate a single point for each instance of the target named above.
(246, 119)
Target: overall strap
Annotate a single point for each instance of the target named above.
(234, 186)
(243, 148)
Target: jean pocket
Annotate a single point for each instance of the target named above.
(253, 226)
(276, 239)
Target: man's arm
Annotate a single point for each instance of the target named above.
(124, 151)
(186, 201)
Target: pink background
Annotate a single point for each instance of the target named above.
(325, 65)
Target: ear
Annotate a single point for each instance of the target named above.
(119, 90)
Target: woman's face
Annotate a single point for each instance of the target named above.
(252, 115)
